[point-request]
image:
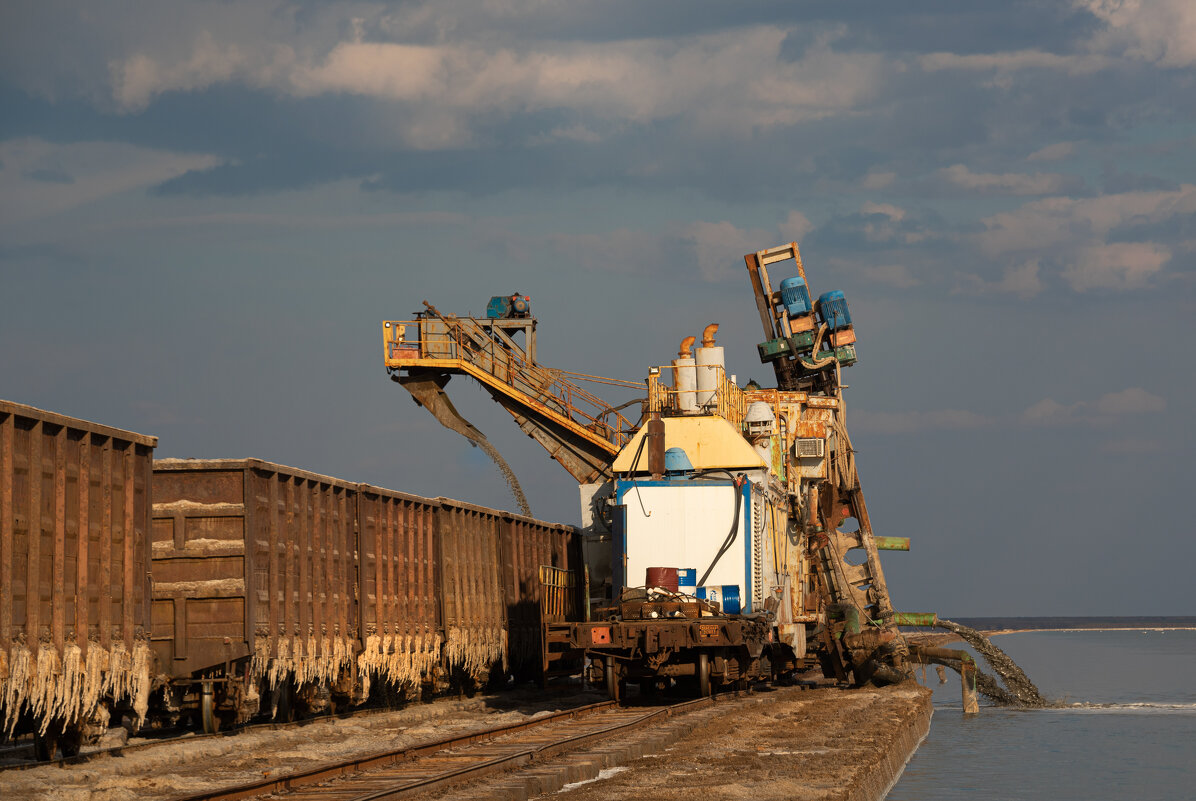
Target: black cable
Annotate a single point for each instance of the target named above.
(731, 537)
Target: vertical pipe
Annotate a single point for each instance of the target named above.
(33, 583)
(967, 678)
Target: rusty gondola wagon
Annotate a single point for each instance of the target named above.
(74, 580)
(278, 590)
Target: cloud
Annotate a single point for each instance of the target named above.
(912, 422)
(1157, 31)
(1058, 221)
(39, 178)
(1021, 280)
(1117, 265)
(1101, 412)
(1096, 243)
(715, 249)
(1012, 61)
(795, 226)
(1059, 150)
(1134, 400)
(894, 213)
(137, 79)
(719, 248)
(894, 275)
(1049, 411)
(1133, 446)
(1040, 183)
(716, 81)
(878, 180)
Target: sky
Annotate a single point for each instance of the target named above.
(208, 208)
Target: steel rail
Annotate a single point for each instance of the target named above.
(360, 767)
(189, 737)
(383, 758)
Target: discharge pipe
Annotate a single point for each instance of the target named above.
(710, 363)
(685, 377)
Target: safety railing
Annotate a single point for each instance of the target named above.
(724, 399)
(558, 595)
(494, 352)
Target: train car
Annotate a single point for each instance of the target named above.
(74, 586)
(254, 573)
(399, 574)
(280, 591)
(452, 591)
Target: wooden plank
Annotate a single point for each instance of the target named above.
(409, 546)
(276, 578)
(290, 609)
(319, 565)
(303, 526)
(251, 524)
(7, 512)
(58, 590)
(33, 583)
(127, 589)
(104, 580)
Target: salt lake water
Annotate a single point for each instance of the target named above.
(1130, 732)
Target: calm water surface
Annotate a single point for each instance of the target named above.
(1130, 734)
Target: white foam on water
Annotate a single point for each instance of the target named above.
(1133, 707)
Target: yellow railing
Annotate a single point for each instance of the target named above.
(408, 342)
(558, 596)
(727, 400)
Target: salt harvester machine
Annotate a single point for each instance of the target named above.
(726, 532)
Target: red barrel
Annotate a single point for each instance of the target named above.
(663, 577)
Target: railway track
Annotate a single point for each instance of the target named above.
(431, 767)
(164, 737)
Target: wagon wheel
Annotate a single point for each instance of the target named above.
(612, 679)
(45, 746)
(703, 675)
(284, 702)
(207, 710)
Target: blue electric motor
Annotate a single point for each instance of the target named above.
(502, 307)
(832, 307)
(795, 297)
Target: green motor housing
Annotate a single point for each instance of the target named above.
(774, 349)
